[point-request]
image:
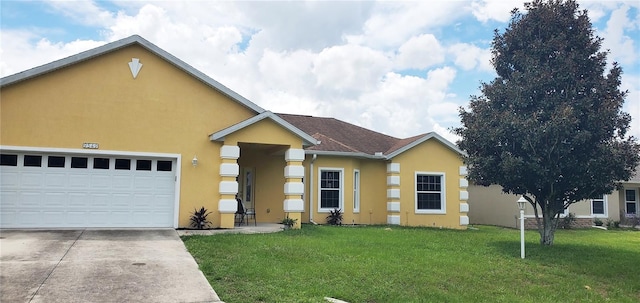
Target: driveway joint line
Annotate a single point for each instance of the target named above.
(56, 266)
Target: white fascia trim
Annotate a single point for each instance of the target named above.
(307, 139)
(430, 135)
(55, 150)
(122, 43)
(343, 154)
(319, 194)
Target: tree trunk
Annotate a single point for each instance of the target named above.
(548, 230)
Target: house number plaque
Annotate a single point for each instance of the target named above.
(88, 145)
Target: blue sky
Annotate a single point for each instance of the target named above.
(401, 68)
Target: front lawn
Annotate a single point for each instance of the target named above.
(396, 264)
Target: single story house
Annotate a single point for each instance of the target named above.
(127, 135)
(490, 206)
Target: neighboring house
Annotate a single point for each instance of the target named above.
(488, 205)
(127, 135)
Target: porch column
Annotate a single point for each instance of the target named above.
(293, 186)
(228, 188)
(393, 193)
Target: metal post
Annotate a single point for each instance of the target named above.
(522, 233)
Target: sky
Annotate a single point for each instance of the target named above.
(400, 68)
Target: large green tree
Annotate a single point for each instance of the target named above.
(550, 126)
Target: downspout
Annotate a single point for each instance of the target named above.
(313, 159)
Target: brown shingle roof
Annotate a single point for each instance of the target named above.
(339, 136)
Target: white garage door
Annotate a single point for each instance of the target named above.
(57, 190)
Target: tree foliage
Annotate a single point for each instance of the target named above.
(550, 126)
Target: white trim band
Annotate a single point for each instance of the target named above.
(294, 171)
(293, 205)
(294, 154)
(229, 169)
(393, 167)
(227, 206)
(230, 152)
(393, 207)
(393, 180)
(464, 220)
(294, 188)
(393, 193)
(393, 219)
(464, 207)
(228, 187)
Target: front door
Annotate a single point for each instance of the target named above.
(247, 187)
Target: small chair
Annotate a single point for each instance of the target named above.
(250, 213)
(240, 213)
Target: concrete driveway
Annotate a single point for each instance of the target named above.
(99, 266)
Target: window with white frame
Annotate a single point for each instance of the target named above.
(356, 191)
(331, 185)
(430, 193)
(631, 202)
(599, 206)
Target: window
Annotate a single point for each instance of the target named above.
(356, 191)
(33, 161)
(143, 164)
(100, 163)
(631, 202)
(79, 162)
(8, 160)
(430, 193)
(123, 164)
(330, 189)
(599, 206)
(163, 165)
(55, 161)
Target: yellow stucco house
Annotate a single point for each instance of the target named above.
(127, 135)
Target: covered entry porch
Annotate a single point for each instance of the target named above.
(261, 164)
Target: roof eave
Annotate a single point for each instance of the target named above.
(343, 154)
(220, 135)
(428, 136)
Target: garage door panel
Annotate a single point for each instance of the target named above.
(144, 182)
(30, 200)
(28, 179)
(122, 182)
(81, 181)
(54, 199)
(45, 197)
(10, 179)
(100, 181)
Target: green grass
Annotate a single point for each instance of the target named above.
(380, 264)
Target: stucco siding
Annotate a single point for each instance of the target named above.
(163, 110)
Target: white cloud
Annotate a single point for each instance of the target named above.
(621, 45)
(349, 68)
(392, 23)
(419, 52)
(498, 10)
(468, 57)
(84, 12)
(22, 50)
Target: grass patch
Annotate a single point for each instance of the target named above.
(398, 264)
